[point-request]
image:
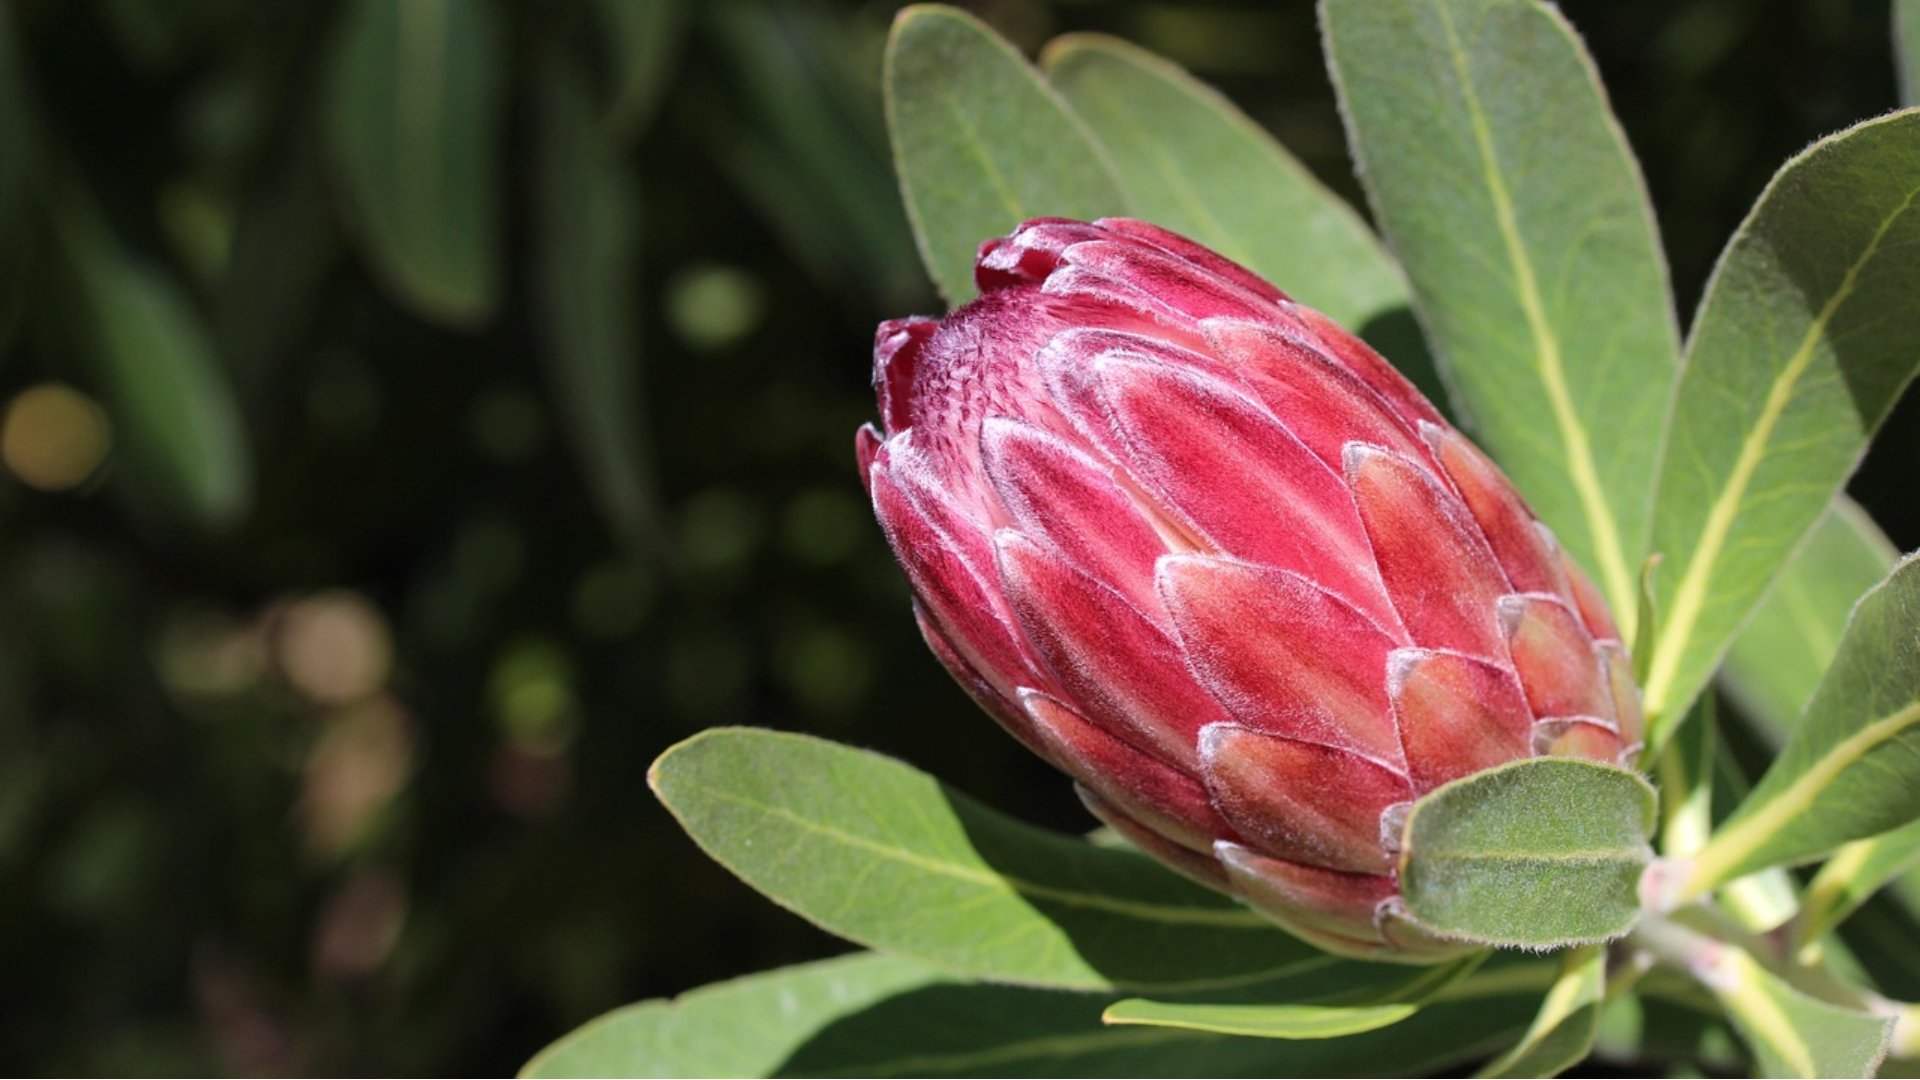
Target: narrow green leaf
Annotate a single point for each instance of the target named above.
(413, 124)
(1852, 876)
(880, 1016)
(1852, 767)
(1563, 1032)
(1308, 1006)
(981, 143)
(1262, 1021)
(1540, 853)
(1199, 166)
(175, 414)
(641, 42)
(885, 855)
(1906, 48)
(1502, 181)
(1792, 1034)
(587, 287)
(1803, 342)
(1777, 661)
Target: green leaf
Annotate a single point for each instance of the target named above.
(587, 288)
(641, 42)
(981, 143)
(1852, 876)
(1539, 853)
(1563, 1033)
(1803, 342)
(1778, 660)
(1852, 767)
(1502, 181)
(885, 855)
(1197, 165)
(1906, 48)
(1382, 997)
(745, 1027)
(1791, 1033)
(881, 1016)
(176, 417)
(1263, 1021)
(413, 124)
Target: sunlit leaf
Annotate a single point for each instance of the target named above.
(1778, 659)
(887, 856)
(1852, 767)
(413, 119)
(1801, 346)
(1503, 183)
(981, 143)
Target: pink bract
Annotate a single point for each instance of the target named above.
(1213, 557)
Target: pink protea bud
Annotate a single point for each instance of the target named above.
(1210, 555)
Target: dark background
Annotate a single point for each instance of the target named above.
(349, 776)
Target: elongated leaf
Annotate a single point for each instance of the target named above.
(1199, 166)
(880, 1016)
(1852, 768)
(1853, 875)
(1792, 1034)
(1803, 342)
(1263, 1021)
(1305, 1006)
(1500, 178)
(588, 239)
(413, 122)
(1539, 853)
(981, 143)
(1906, 48)
(885, 855)
(174, 410)
(641, 40)
(1563, 1033)
(1777, 661)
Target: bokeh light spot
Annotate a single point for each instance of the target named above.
(334, 647)
(711, 306)
(53, 437)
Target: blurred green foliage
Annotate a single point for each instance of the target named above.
(415, 414)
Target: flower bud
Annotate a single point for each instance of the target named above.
(1211, 556)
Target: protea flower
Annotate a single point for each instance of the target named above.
(1214, 558)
